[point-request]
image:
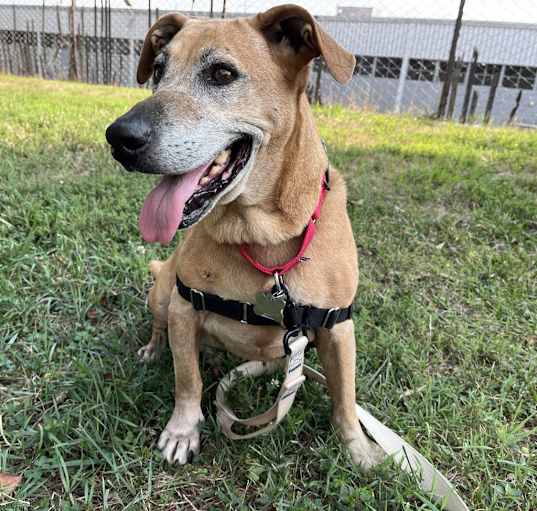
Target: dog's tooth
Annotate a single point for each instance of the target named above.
(222, 157)
(216, 170)
(204, 181)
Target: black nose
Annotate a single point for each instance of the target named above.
(130, 132)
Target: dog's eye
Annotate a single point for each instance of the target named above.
(158, 72)
(221, 74)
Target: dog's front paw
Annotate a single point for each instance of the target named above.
(364, 452)
(179, 449)
(180, 440)
(150, 352)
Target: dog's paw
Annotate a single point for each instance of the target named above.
(364, 452)
(150, 352)
(180, 440)
(179, 449)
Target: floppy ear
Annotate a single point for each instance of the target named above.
(159, 35)
(294, 31)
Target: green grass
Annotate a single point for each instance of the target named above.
(445, 218)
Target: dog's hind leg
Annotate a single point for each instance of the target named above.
(158, 300)
(337, 351)
(180, 440)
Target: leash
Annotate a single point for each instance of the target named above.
(294, 377)
(406, 456)
(275, 308)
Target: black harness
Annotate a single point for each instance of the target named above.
(294, 316)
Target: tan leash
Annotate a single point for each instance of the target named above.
(294, 377)
(410, 460)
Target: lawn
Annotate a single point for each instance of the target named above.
(445, 218)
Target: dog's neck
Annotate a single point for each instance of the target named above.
(293, 164)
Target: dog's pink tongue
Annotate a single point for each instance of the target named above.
(162, 212)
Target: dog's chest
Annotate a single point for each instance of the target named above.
(218, 269)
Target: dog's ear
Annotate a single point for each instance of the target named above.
(296, 34)
(159, 35)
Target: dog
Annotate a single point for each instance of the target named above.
(230, 131)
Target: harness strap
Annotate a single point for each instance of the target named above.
(295, 316)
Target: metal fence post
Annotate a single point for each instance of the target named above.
(401, 85)
(39, 59)
(130, 64)
(469, 83)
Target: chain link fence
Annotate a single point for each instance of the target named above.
(443, 59)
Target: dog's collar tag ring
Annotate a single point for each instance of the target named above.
(271, 304)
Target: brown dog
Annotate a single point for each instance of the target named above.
(229, 90)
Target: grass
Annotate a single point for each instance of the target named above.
(445, 218)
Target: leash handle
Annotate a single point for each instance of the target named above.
(294, 378)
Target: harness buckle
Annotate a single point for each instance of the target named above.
(201, 296)
(244, 319)
(330, 318)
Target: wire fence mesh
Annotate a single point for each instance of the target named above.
(412, 57)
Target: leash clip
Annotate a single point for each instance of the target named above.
(294, 332)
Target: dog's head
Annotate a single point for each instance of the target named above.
(224, 91)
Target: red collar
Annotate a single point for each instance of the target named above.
(309, 234)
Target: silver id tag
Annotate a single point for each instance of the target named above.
(270, 305)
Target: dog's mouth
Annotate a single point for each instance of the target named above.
(179, 201)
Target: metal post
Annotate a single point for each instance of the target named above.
(469, 84)
(73, 50)
(492, 96)
(401, 85)
(130, 64)
(317, 92)
(473, 104)
(39, 59)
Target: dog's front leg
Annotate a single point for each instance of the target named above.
(180, 440)
(337, 351)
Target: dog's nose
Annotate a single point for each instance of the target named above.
(130, 132)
